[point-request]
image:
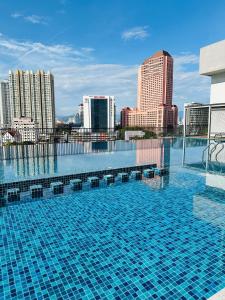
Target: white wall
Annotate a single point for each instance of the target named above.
(212, 58)
(217, 93)
(87, 112)
(217, 121)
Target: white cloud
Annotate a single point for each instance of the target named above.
(16, 15)
(34, 19)
(77, 73)
(188, 84)
(136, 33)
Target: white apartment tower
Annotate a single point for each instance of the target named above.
(32, 96)
(99, 113)
(5, 113)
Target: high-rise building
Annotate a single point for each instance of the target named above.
(155, 91)
(32, 96)
(155, 81)
(5, 112)
(99, 113)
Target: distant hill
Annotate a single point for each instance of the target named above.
(63, 118)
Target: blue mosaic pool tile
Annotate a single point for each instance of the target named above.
(128, 241)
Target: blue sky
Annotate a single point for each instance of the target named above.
(95, 47)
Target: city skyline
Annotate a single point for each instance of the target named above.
(101, 56)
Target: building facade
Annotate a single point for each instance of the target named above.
(27, 129)
(196, 118)
(124, 115)
(212, 64)
(99, 113)
(155, 92)
(11, 136)
(81, 113)
(32, 96)
(5, 107)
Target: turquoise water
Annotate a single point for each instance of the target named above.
(160, 238)
(49, 161)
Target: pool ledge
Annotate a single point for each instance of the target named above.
(25, 185)
(218, 296)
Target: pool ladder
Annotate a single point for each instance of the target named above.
(219, 139)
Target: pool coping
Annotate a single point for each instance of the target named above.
(218, 296)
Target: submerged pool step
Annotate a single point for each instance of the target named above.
(57, 187)
(123, 177)
(76, 184)
(13, 194)
(149, 173)
(109, 179)
(36, 190)
(93, 181)
(137, 175)
(161, 171)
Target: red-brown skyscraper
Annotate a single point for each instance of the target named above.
(155, 92)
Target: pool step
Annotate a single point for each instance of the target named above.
(149, 173)
(57, 187)
(36, 191)
(161, 171)
(109, 179)
(123, 177)
(76, 184)
(13, 195)
(93, 181)
(137, 175)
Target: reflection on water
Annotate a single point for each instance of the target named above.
(210, 204)
(36, 163)
(51, 159)
(210, 156)
(157, 151)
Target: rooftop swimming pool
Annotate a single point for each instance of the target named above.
(160, 238)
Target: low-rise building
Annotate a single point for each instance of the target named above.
(212, 64)
(27, 129)
(11, 136)
(129, 134)
(161, 117)
(196, 118)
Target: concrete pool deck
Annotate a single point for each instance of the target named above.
(218, 296)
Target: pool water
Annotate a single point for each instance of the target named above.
(154, 239)
(48, 161)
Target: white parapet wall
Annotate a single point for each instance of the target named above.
(212, 59)
(212, 63)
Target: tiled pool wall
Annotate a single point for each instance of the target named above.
(24, 185)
